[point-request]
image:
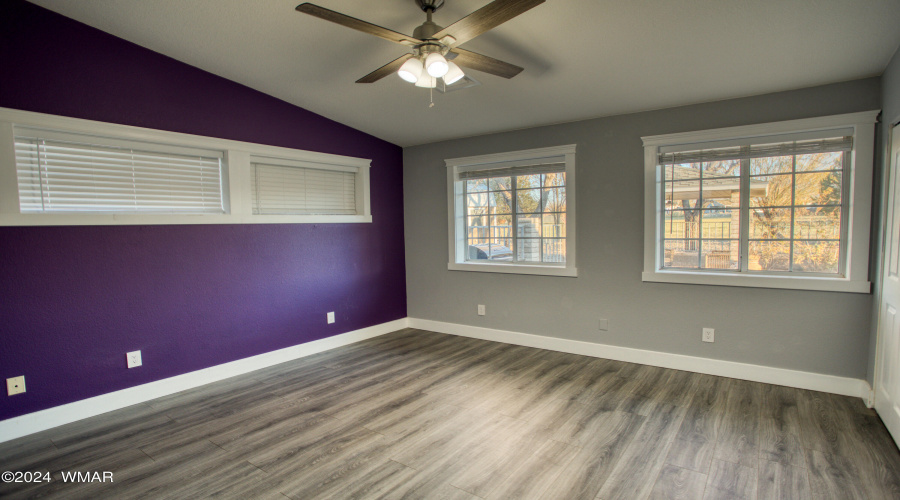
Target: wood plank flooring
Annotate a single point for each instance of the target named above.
(416, 414)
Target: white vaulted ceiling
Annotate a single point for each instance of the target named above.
(582, 58)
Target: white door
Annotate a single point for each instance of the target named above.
(887, 376)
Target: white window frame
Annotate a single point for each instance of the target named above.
(457, 220)
(858, 203)
(236, 175)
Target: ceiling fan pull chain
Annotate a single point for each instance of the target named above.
(431, 92)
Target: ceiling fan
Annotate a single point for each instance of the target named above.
(435, 49)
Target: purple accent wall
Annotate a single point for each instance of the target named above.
(73, 300)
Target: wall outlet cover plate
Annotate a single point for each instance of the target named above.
(15, 385)
(133, 359)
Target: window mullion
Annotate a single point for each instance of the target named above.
(465, 197)
(700, 222)
(793, 210)
(744, 243)
(514, 230)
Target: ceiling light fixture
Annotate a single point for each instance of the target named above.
(436, 65)
(426, 74)
(411, 70)
(427, 81)
(454, 73)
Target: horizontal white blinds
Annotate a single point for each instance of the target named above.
(88, 174)
(547, 168)
(759, 151)
(284, 189)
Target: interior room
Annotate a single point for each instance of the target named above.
(455, 249)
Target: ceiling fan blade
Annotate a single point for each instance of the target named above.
(476, 61)
(357, 24)
(385, 70)
(490, 16)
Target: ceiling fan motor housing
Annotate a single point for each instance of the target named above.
(429, 5)
(426, 31)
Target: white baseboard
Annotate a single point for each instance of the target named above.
(71, 412)
(744, 371)
(53, 417)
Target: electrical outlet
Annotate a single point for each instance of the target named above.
(15, 385)
(481, 309)
(330, 317)
(709, 335)
(133, 359)
(604, 324)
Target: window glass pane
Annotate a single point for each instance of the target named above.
(673, 224)
(771, 165)
(770, 191)
(528, 249)
(500, 250)
(555, 180)
(554, 250)
(820, 188)
(720, 224)
(725, 192)
(477, 200)
(529, 226)
(816, 256)
(770, 223)
(478, 228)
(682, 171)
(528, 200)
(682, 194)
(501, 227)
(817, 223)
(473, 211)
(479, 250)
(500, 183)
(720, 254)
(501, 202)
(554, 225)
(480, 221)
(474, 185)
(682, 253)
(682, 224)
(821, 161)
(770, 256)
(554, 200)
(528, 181)
(727, 168)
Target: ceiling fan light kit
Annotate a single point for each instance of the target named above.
(436, 65)
(427, 82)
(411, 70)
(454, 73)
(433, 45)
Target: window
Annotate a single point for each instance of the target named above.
(64, 171)
(69, 173)
(782, 205)
(513, 212)
(281, 187)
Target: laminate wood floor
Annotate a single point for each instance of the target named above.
(416, 414)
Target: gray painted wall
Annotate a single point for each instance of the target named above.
(821, 332)
(890, 114)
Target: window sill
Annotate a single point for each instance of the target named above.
(759, 281)
(94, 219)
(570, 272)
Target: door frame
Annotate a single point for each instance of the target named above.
(886, 179)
